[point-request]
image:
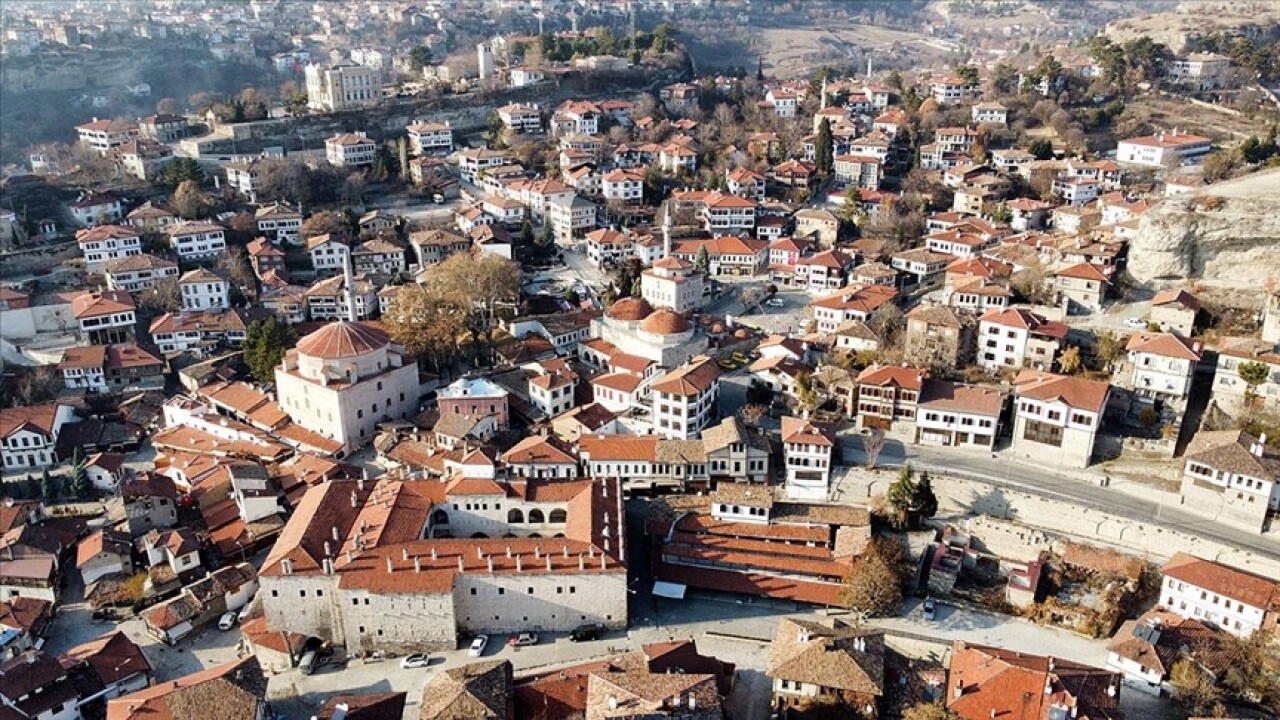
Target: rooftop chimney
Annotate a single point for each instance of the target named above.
(390, 567)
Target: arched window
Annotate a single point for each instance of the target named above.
(558, 535)
(514, 516)
(536, 517)
(557, 516)
(440, 517)
(479, 535)
(534, 535)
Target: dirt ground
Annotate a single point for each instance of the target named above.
(1172, 27)
(790, 52)
(1169, 112)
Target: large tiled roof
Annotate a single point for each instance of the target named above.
(343, 339)
(900, 375)
(39, 417)
(1164, 345)
(1225, 581)
(1234, 451)
(956, 397)
(1077, 393)
(1009, 684)
(689, 380)
(234, 691)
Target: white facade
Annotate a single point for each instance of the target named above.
(1192, 601)
(29, 446)
(427, 138)
(350, 150)
(342, 87)
(1055, 432)
(1160, 375)
(197, 241)
(625, 186)
(103, 244)
(1163, 149)
(202, 290)
(329, 256)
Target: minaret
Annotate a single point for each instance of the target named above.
(349, 279)
(823, 99)
(666, 229)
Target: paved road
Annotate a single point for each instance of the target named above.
(1144, 504)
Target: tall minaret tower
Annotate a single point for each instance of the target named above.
(823, 100)
(666, 229)
(349, 280)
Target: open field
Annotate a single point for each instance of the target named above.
(794, 51)
(1171, 112)
(1172, 26)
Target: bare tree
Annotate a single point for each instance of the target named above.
(872, 445)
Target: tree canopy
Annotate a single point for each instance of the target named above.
(265, 345)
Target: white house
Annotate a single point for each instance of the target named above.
(328, 253)
(1057, 418)
(1163, 149)
(350, 150)
(991, 113)
(203, 290)
(623, 185)
(29, 435)
(685, 400)
(429, 137)
(1016, 338)
(806, 450)
(956, 415)
(1236, 601)
(1200, 71)
(1232, 477)
(1163, 365)
(195, 241)
(105, 243)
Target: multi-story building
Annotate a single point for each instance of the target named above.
(622, 185)
(1235, 601)
(990, 113)
(197, 241)
(345, 378)
(1075, 190)
(471, 161)
(278, 222)
(110, 368)
(806, 452)
(820, 226)
(1163, 365)
(685, 399)
(266, 258)
(203, 290)
(474, 555)
(105, 243)
(727, 255)
(1083, 284)
(29, 435)
(429, 137)
(138, 272)
(329, 253)
(336, 88)
(144, 159)
(888, 396)
(812, 661)
(103, 136)
(920, 267)
(787, 550)
(1057, 418)
(956, 415)
(521, 117)
(163, 127)
(939, 336)
(1232, 477)
(951, 90)
(198, 332)
(743, 182)
(1018, 338)
(834, 310)
(350, 150)
(1230, 389)
(720, 213)
(331, 298)
(861, 171)
(1176, 311)
(552, 391)
(151, 218)
(1200, 71)
(93, 209)
(105, 317)
(1164, 149)
(672, 283)
(571, 217)
(823, 272)
(474, 397)
(238, 689)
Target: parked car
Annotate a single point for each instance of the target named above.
(930, 610)
(523, 639)
(727, 364)
(583, 633)
(740, 358)
(1136, 323)
(227, 621)
(775, 302)
(478, 645)
(416, 660)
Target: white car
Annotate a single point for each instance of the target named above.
(478, 645)
(775, 302)
(1136, 323)
(416, 660)
(227, 621)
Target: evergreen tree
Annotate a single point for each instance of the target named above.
(265, 345)
(925, 501)
(48, 486)
(702, 262)
(901, 496)
(760, 69)
(824, 148)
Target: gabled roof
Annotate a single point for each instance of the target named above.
(1084, 271)
(1176, 296)
(35, 417)
(106, 302)
(477, 690)
(901, 376)
(540, 449)
(1228, 582)
(1075, 392)
(1009, 684)
(1235, 451)
(1165, 345)
(233, 691)
(698, 376)
(829, 654)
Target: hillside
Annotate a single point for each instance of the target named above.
(1227, 234)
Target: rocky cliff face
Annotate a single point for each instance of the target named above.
(1227, 234)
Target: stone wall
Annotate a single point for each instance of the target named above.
(1151, 540)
